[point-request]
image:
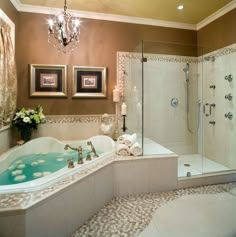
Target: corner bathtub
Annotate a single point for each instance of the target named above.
(104, 144)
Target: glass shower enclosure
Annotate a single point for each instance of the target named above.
(181, 101)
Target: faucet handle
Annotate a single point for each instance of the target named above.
(88, 156)
(70, 163)
(89, 143)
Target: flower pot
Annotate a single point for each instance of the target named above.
(26, 134)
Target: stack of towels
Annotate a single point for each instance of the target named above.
(127, 145)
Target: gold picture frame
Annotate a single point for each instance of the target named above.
(48, 80)
(89, 82)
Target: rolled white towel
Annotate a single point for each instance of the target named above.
(136, 149)
(121, 138)
(129, 141)
(122, 150)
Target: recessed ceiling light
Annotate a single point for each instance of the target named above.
(180, 7)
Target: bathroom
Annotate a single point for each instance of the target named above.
(185, 59)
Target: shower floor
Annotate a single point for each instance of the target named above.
(194, 163)
(198, 165)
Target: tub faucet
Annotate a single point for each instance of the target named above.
(80, 152)
(89, 143)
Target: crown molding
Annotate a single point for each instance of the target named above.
(127, 19)
(10, 23)
(101, 16)
(227, 8)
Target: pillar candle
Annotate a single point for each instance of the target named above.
(123, 109)
(116, 95)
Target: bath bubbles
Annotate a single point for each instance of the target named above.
(16, 172)
(18, 162)
(44, 153)
(41, 161)
(34, 163)
(37, 174)
(46, 173)
(21, 166)
(19, 178)
(11, 167)
(59, 159)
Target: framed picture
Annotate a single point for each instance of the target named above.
(89, 82)
(48, 80)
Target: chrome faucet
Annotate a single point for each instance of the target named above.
(89, 143)
(80, 152)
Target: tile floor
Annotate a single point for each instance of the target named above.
(130, 216)
(197, 165)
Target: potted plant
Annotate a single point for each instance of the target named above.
(25, 120)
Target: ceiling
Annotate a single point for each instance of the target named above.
(166, 10)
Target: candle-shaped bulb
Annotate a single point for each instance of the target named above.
(123, 109)
(116, 95)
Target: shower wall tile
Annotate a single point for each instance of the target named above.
(164, 79)
(219, 140)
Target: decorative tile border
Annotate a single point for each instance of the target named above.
(220, 52)
(76, 118)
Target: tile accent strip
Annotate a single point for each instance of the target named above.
(76, 118)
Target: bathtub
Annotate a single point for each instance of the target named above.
(104, 144)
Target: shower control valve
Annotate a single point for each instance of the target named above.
(229, 115)
(212, 122)
(212, 87)
(229, 78)
(229, 97)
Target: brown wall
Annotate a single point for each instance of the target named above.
(218, 34)
(99, 42)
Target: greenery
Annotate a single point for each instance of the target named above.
(25, 119)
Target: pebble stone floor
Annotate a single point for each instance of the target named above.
(129, 216)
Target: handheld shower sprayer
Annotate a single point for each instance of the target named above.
(186, 70)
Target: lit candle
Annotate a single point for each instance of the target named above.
(116, 95)
(123, 109)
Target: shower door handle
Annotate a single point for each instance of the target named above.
(212, 106)
(204, 109)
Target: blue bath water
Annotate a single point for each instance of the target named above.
(34, 166)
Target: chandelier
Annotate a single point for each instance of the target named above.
(64, 30)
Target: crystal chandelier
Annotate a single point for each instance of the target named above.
(64, 30)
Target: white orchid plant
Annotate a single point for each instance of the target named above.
(28, 118)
